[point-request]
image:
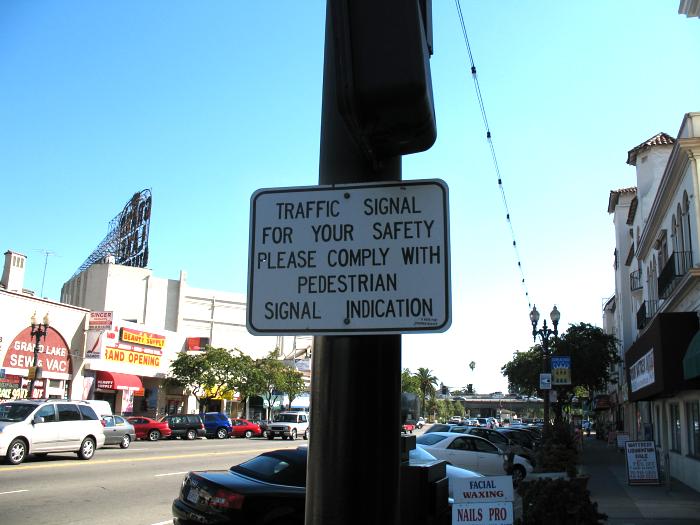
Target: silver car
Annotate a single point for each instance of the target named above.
(118, 431)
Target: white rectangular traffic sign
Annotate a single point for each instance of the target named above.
(545, 381)
(350, 259)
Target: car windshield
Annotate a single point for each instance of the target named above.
(429, 439)
(286, 418)
(273, 468)
(15, 411)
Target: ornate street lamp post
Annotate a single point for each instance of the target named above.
(38, 331)
(545, 333)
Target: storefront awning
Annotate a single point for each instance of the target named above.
(691, 361)
(115, 381)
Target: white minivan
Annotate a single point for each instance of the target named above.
(40, 426)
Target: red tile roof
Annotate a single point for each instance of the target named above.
(615, 196)
(660, 139)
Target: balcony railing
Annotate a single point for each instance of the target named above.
(676, 267)
(636, 280)
(646, 313)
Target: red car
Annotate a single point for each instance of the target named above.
(150, 429)
(244, 428)
(408, 427)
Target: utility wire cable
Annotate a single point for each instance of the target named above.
(489, 138)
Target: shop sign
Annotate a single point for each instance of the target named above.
(487, 500)
(561, 370)
(195, 344)
(350, 259)
(642, 467)
(100, 321)
(642, 371)
(10, 381)
(140, 338)
(136, 356)
(53, 356)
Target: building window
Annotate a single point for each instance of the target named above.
(675, 426)
(692, 410)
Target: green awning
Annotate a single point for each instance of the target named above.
(691, 361)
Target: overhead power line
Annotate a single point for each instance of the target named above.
(489, 139)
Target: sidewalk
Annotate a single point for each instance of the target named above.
(634, 505)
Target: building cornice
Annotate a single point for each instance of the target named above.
(683, 151)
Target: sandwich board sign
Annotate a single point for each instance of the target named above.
(350, 259)
(486, 500)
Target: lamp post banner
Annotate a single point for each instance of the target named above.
(561, 370)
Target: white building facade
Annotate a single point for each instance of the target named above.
(654, 313)
(173, 317)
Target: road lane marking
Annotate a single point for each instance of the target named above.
(78, 463)
(14, 491)
(171, 474)
(169, 522)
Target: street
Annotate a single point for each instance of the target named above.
(136, 485)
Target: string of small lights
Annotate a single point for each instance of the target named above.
(489, 138)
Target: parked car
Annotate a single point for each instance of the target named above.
(473, 453)
(271, 486)
(441, 427)
(289, 425)
(521, 437)
(185, 426)
(39, 427)
(420, 422)
(264, 425)
(150, 429)
(217, 424)
(408, 427)
(503, 442)
(456, 420)
(118, 431)
(245, 428)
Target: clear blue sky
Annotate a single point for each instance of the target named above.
(205, 102)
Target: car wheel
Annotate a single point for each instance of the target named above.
(249, 434)
(518, 474)
(126, 441)
(265, 433)
(270, 436)
(306, 434)
(153, 435)
(221, 433)
(87, 448)
(191, 434)
(294, 434)
(16, 452)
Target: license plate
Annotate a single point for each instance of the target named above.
(193, 495)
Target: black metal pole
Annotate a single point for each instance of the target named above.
(37, 333)
(353, 476)
(545, 365)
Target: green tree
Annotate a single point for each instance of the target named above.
(292, 383)
(426, 384)
(523, 372)
(212, 373)
(409, 383)
(593, 354)
(270, 370)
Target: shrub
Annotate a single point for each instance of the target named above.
(558, 501)
(558, 452)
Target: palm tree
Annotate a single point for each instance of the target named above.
(426, 382)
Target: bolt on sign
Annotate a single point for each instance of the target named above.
(350, 259)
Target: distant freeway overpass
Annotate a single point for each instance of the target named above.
(487, 406)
